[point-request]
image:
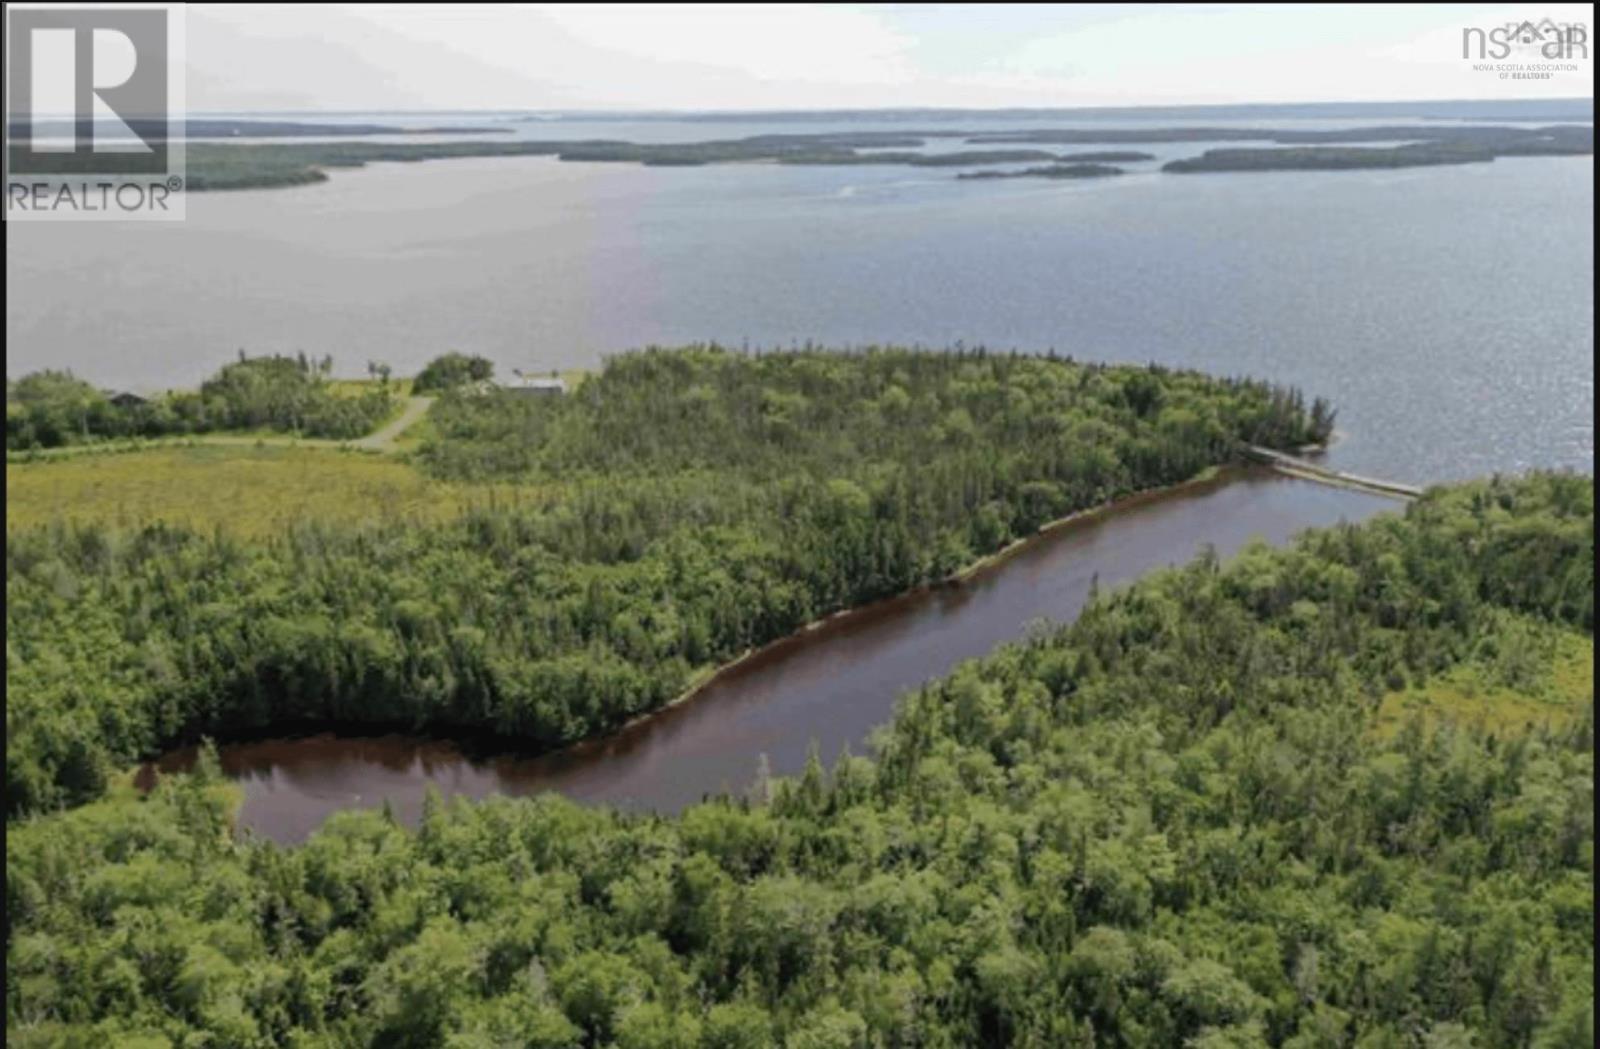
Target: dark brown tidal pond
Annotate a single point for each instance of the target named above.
(831, 685)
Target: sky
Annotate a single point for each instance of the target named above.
(814, 56)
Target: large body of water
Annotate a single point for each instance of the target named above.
(1448, 312)
(828, 687)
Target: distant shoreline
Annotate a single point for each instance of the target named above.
(1537, 110)
(230, 164)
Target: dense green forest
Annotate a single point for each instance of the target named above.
(680, 507)
(963, 428)
(48, 409)
(1327, 158)
(1169, 823)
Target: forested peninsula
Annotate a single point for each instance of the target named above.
(673, 511)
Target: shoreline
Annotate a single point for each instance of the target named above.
(1219, 474)
(489, 742)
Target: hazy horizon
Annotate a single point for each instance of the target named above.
(642, 111)
(697, 57)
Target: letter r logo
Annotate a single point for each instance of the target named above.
(90, 71)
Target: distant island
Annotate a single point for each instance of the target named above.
(1334, 158)
(1049, 171)
(1469, 149)
(1501, 109)
(217, 165)
(1560, 138)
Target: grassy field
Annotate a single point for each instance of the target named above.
(1473, 694)
(243, 489)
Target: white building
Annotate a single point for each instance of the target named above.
(534, 386)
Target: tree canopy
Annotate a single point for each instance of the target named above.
(450, 370)
(1168, 823)
(682, 507)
